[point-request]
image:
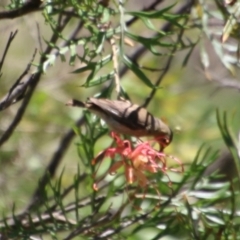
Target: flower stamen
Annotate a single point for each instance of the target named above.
(136, 161)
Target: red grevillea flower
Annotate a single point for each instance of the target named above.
(136, 160)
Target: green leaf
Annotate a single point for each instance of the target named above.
(223, 126)
(185, 61)
(215, 219)
(158, 14)
(137, 72)
(73, 54)
(151, 14)
(150, 25)
(232, 25)
(149, 43)
(99, 80)
(101, 38)
(225, 58)
(204, 56)
(94, 67)
(49, 62)
(210, 195)
(90, 66)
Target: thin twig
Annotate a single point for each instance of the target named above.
(141, 50)
(68, 137)
(228, 83)
(115, 65)
(35, 78)
(52, 167)
(65, 141)
(10, 39)
(102, 221)
(66, 191)
(60, 151)
(27, 7)
(152, 6)
(160, 78)
(32, 85)
(107, 233)
(18, 89)
(39, 38)
(45, 217)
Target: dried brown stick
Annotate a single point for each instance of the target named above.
(28, 7)
(18, 89)
(10, 39)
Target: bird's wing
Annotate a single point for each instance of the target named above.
(131, 115)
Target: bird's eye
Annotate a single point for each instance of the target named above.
(165, 141)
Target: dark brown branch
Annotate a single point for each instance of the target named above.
(141, 50)
(167, 66)
(228, 83)
(27, 7)
(152, 6)
(34, 81)
(52, 167)
(65, 142)
(39, 37)
(67, 138)
(60, 151)
(32, 84)
(11, 37)
(18, 89)
(83, 202)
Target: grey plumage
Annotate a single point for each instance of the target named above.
(127, 118)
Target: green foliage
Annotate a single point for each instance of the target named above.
(223, 125)
(205, 208)
(97, 19)
(225, 48)
(98, 42)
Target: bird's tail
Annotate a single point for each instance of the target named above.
(75, 103)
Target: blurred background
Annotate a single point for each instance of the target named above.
(201, 77)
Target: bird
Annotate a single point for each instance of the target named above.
(127, 118)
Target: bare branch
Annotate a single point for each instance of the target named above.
(11, 37)
(141, 50)
(32, 83)
(27, 7)
(115, 65)
(18, 89)
(61, 149)
(39, 38)
(228, 83)
(152, 6)
(167, 66)
(67, 138)
(53, 165)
